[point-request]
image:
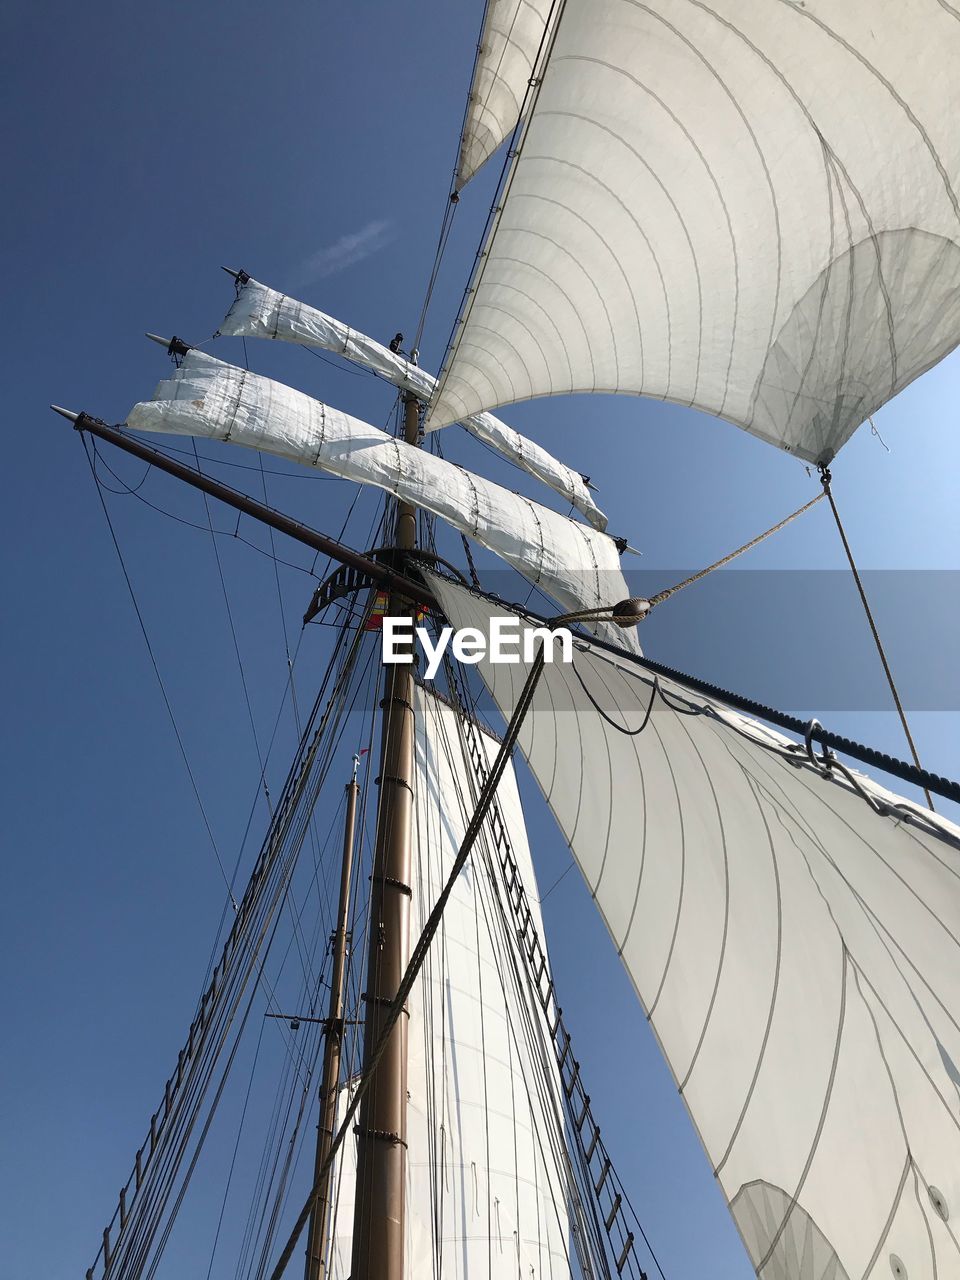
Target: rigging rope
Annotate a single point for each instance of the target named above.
(469, 554)
(747, 546)
(236, 1148)
(825, 479)
(221, 533)
(446, 225)
(251, 933)
(236, 643)
(156, 670)
(635, 609)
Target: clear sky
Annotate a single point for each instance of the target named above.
(312, 145)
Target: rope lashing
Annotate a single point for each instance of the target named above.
(825, 480)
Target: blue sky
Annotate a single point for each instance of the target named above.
(312, 145)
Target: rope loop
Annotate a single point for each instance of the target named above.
(826, 760)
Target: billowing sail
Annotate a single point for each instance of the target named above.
(486, 1180)
(260, 312)
(794, 938)
(510, 44)
(748, 208)
(574, 564)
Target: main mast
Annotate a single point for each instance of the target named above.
(378, 1230)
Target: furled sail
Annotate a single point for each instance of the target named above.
(261, 312)
(794, 937)
(748, 208)
(510, 44)
(574, 564)
(486, 1178)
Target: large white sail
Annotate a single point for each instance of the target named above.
(749, 208)
(510, 46)
(796, 950)
(486, 1196)
(574, 564)
(261, 312)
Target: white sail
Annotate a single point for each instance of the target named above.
(511, 40)
(574, 564)
(261, 312)
(485, 1195)
(748, 208)
(796, 951)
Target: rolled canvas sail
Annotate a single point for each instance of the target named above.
(796, 951)
(574, 564)
(260, 312)
(748, 208)
(485, 1196)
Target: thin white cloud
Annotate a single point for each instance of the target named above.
(346, 251)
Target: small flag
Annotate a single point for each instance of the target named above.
(374, 620)
(378, 609)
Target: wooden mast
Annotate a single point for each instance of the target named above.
(330, 1081)
(379, 1209)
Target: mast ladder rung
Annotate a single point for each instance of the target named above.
(593, 1143)
(584, 1112)
(558, 1024)
(625, 1253)
(566, 1048)
(598, 1185)
(614, 1210)
(574, 1079)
